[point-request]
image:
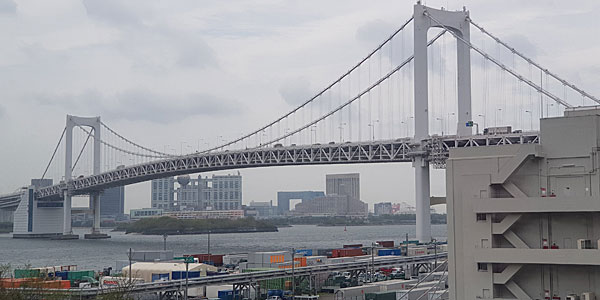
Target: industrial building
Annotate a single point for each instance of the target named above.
(524, 220)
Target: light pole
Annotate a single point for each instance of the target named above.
(165, 241)
(483, 117)
(496, 117)
(342, 132)
(448, 123)
(530, 119)
(372, 125)
(402, 123)
(130, 254)
(313, 129)
(441, 124)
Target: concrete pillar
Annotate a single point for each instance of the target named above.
(67, 214)
(95, 205)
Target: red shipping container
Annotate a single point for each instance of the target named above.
(216, 260)
(386, 244)
(347, 252)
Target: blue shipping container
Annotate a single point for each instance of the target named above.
(64, 275)
(160, 277)
(389, 252)
(181, 274)
(226, 294)
(275, 293)
(304, 252)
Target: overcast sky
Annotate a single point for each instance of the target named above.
(166, 72)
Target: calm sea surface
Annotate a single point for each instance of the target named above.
(97, 254)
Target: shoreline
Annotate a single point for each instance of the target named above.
(212, 231)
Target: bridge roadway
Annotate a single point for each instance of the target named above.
(435, 149)
(253, 277)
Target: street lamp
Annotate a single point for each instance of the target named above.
(342, 132)
(441, 124)
(448, 123)
(313, 129)
(483, 117)
(530, 119)
(496, 117)
(165, 241)
(293, 274)
(372, 125)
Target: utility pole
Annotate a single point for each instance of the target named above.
(372, 260)
(187, 262)
(165, 241)
(130, 265)
(208, 250)
(293, 274)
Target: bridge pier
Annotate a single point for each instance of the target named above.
(95, 206)
(67, 229)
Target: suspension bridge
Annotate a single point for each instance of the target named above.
(405, 101)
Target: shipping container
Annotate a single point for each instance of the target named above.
(227, 294)
(416, 251)
(387, 244)
(304, 252)
(151, 255)
(215, 260)
(353, 246)
(381, 296)
(347, 252)
(27, 273)
(389, 252)
(113, 282)
(64, 275)
(160, 277)
(234, 259)
(79, 275)
(175, 275)
(32, 283)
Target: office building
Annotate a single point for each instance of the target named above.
(343, 184)
(524, 220)
(163, 193)
(263, 209)
(220, 192)
(383, 208)
(283, 199)
(112, 202)
(332, 205)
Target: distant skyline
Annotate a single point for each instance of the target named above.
(163, 73)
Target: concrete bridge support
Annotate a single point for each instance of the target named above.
(458, 22)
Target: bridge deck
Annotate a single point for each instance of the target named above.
(435, 149)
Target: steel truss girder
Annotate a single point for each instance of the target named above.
(434, 149)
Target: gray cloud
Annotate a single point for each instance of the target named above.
(2, 111)
(374, 32)
(295, 91)
(111, 11)
(8, 7)
(138, 105)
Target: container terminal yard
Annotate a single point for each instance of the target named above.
(383, 270)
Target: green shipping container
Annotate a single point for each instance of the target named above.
(381, 296)
(78, 275)
(26, 273)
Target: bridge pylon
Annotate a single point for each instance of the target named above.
(95, 124)
(458, 22)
